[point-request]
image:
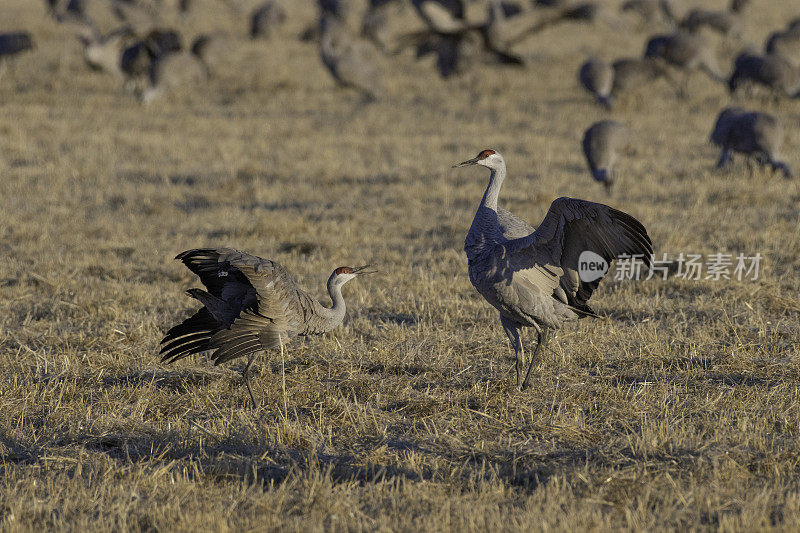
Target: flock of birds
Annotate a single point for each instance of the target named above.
(151, 59)
(252, 305)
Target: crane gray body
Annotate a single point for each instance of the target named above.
(770, 70)
(631, 74)
(755, 134)
(602, 144)
(728, 22)
(349, 60)
(687, 52)
(597, 77)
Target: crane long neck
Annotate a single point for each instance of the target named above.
(496, 177)
(335, 313)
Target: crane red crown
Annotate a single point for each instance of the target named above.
(344, 270)
(485, 154)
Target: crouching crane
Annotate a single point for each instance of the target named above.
(251, 305)
(532, 276)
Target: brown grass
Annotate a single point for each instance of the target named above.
(681, 411)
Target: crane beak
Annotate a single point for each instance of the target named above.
(366, 269)
(467, 163)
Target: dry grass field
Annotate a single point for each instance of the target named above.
(681, 410)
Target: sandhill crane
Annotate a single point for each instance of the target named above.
(266, 19)
(686, 52)
(507, 24)
(12, 44)
(68, 10)
(141, 17)
(756, 134)
(103, 52)
(771, 70)
(137, 59)
(171, 72)
(350, 61)
(251, 305)
(589, 12)
(602, 144)
(786, 44)
(651, 11)
(375, 24)
(634, 73)
(597, 77)
(213, 50)
(532, 277)
(449, 31)
(727, 22)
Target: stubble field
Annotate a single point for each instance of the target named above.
(680, 410)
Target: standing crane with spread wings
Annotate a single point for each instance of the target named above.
(250, 305)
(532, 276)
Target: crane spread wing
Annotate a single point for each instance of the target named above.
(281, 312)
(252, 304)
(548, 257)
(213, 272)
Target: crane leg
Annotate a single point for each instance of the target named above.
(512, 331)
(246, 376)
(724, 158)
(684, 90)
(542, 340)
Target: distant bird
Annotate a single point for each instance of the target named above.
(771, 70)
(508, 24)
(590, 12)
(728, 22)
(68, 10)
(376, 23)
(786, 44)
(631, 74)
(651, 11)
(753, 133)
(178, 70)
(103, 52)
(447, 17)
(141, 17)
(532, 276)
(266, 19)
(450, 33)
(213, 50)
(351, 61)
(597, 77)
(14, 43)
(686, 52)
(602, 144)
(137, 58)
(250, 306)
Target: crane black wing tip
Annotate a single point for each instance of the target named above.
(184, 349)
(636, 231)
(584, 311)
(225, 355)
(188, 254)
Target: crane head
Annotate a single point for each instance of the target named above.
(344, 274)
(487, 158)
